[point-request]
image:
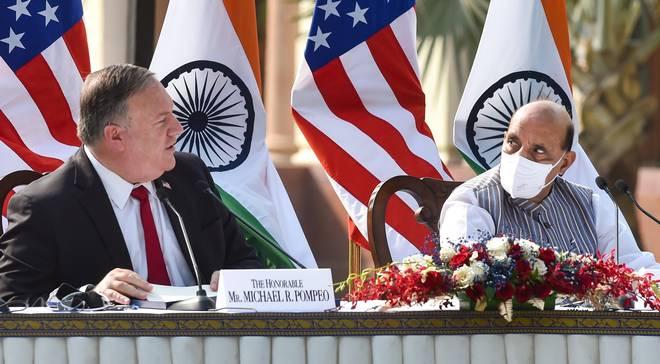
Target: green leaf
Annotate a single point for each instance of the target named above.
(490, 293)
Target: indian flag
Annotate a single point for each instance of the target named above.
(207, 59)
(524, 55)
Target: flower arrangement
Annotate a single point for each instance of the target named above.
(503, 272)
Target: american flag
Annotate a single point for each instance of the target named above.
(359, 102)
(44, 54)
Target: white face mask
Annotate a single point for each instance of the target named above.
(523, 178)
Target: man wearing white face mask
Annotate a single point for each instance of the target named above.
(526, 197)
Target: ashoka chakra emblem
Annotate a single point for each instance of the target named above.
(216, 111)
(491, 114)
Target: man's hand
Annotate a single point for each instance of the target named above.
(215, 278)
(121, 284)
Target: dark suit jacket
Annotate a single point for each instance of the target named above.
(62, 229)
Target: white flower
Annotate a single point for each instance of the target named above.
(584, 258)
(529, 249)
(539, 267)
(463, 276)
(498, 247)
(480, 270)
(446, 252)
(416, 261)
(413, 259)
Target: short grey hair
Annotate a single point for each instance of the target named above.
(104, 97)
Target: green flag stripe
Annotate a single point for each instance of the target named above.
(475, 167)
(256, 235)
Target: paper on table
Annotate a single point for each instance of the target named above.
(172, 294)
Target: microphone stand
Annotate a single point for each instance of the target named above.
(201, 302)
(623, 187)
(207, 189)
(602, 184)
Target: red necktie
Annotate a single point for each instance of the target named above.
(157, 272)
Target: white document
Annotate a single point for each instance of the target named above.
(172, 294)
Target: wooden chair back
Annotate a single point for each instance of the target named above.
(430, 194)
(13, 180)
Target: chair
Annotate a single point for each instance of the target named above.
(12, 180)
(430, 195)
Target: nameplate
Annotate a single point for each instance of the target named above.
(276, 290)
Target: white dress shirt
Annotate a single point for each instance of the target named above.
(462, 217)
(127, 212)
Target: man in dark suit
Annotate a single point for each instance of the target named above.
(98, 219)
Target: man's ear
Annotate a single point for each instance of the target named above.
(567, 161)
(114, 136)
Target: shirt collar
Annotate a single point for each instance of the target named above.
(117, 188)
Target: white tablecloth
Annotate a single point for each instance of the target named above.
(483, 349)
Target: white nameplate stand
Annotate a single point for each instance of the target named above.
(275, 290)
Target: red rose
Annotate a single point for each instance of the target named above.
(523, 293)
(504, 293)
(547, 256)
(433, 280)
(585, 281)
(475, 292)
(515, 251)
(542, 290)
(559, 282)
(482, 254)
(461, 258)
(523, 269)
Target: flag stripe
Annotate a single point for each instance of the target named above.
(5, 203)
(309, 104)
(404, 36)
(10, 161)
(394, 65)
(397, 243)
(345, 170)
(64, 69)
(242, 15)
(76, 42)
(26, 118)
(10, 137)
(342, 99)
(42, 86)
(404, 29)
(555, 13)
(355, 235)
(375, 91)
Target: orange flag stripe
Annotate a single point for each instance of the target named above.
(243, 15)
(555, 12)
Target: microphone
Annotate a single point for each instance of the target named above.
(204, 187)
(602, 184)
(625, 189)
(201, 302)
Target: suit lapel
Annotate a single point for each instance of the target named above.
(96, 203)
